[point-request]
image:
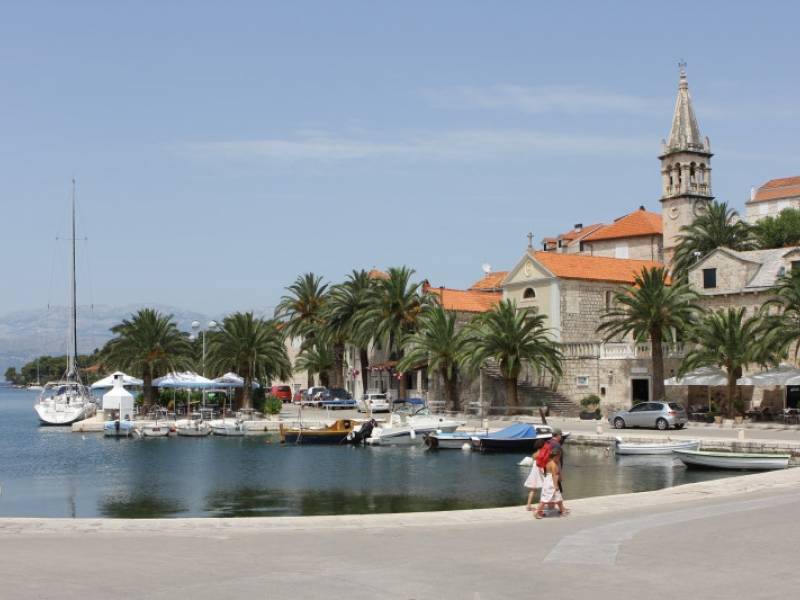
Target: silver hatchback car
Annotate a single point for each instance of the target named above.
(661, 415)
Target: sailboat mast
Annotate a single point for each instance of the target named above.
(72, 368)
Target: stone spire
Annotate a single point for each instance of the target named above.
(685, 133)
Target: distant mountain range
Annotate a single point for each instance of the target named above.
(26, 334)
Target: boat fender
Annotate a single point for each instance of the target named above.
(466, 447)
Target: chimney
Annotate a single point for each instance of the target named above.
(641, 207)
(752, 194)
(578, 226)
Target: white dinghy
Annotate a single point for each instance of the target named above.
(733, 460)
(665, 447)
(228, 427)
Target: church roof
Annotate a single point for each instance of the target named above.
(776, 189)
(490, 281)
(685, 133)
(636, 224)
(474, 301)
(593, 268)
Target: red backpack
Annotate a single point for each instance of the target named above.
(543, 455)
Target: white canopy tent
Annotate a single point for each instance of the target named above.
(712, 376)
(119, 399)
(232, 380)
(781, 375)
(185, 380)
(108, 382)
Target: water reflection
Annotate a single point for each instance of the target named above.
(143, 506)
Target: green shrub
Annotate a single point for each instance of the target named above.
(272, 405)
(590, 402)
(259, 395)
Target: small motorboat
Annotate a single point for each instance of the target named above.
(450, 440)
(406, 428)
(334, 433)
(732, 460)
(228, 427)
(119, 428)
(154, 430)
(666, 447)
(192, 428)
(519, 437)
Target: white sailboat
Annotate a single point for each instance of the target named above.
(66, 401)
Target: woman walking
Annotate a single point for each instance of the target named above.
(551, 496)
(535, 478)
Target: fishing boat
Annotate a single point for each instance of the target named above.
(334, 433)
(733, 460)
(228, 427)
(665, 447)
(119, 428)
(66, 401)
(154, 430)
(519, 437)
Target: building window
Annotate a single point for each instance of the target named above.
(609, 299)
(709, 278)
(582, 381)
(796, 266)
(582, 246)
(621, 251)
(529, 293)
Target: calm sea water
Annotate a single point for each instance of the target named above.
(52, 472)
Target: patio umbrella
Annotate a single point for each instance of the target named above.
(783, 374)
(186, 379)
(232, 380)
(108, 382)
(700, 376)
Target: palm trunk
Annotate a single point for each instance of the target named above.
(657, 354)
(309, 380)
(450, 390)
(731, 392)
(324, 380)
(363, 356)
(338, 365)
(247, 392)
(511, 394)
(402, 391)
(147, 385)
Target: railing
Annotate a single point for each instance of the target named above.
(618, 350)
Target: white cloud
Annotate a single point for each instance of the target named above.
(543, 99)
(459, 145)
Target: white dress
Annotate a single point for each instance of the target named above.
(535, 478)
(550, 492)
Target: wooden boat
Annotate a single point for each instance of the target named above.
(666, 447)
(732, 460)
(335, 433)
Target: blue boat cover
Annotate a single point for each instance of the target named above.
(517, 431)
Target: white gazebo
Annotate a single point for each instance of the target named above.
(185, 380)
(712, 376)
(781, 375)
(118, 399)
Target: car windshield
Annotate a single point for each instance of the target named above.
(675, 406)
(378, 397)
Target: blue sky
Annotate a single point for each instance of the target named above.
(223, 148)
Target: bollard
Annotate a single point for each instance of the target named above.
(741, 434)
(599, 429)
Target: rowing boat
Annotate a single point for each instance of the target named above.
(733, 460)
(666, 447)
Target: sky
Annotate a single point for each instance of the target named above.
(223, 148)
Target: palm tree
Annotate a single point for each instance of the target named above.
(512, 338)
(727, 339)
(345, 301)
(302, 309)
(439, 343)
(651, 309)
(782, 330)
(148, 345)
(719, 226)
(316, 358)
(393, 308)
(252, 347)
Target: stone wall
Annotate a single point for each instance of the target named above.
(639, 248)
(755, 211)
(583, 304)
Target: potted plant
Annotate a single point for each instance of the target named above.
(272, 405)
(591, 407)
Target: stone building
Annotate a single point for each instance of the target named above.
(773, 197)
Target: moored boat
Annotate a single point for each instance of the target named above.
(519, 437)
(228, 427)
(154, 430)
(659, 447)
(119, 428)
(192, 428)
(404, 428)
(334, 433)
(450, 440)
(733, 460)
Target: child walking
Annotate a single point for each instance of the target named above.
(551, 496)
(535, 478)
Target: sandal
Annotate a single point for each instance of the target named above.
(564, 512)
(539, 514)
(529, 507)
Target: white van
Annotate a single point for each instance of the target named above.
(374, 403)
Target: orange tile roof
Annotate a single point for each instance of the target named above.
(573, 234)
(377, 274)
(594, 268)
(774, 189)
(490, 281)
(638, 223)
(474, 301)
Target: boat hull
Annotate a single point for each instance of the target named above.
(656, 448)
(732, 460)
(448, 440)
(521, 445)
(54, 415)
(155, 431)
(119, 429)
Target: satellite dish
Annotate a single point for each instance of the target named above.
(487, 268)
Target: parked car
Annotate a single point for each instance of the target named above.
(374, 403)
(413, 401)
(298, 396)
(314, 395)
(337, 394)
(661, 415)
(284, 392)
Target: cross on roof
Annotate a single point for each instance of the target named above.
(530, 239)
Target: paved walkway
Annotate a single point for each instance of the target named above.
(706, 540)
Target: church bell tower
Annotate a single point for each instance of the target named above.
(685, 170)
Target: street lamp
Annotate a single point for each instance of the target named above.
(195, 328)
